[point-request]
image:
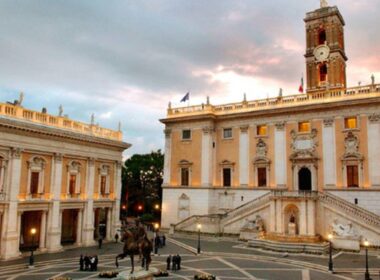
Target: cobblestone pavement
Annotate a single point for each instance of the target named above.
(223, 258)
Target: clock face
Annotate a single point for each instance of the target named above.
(321, 53)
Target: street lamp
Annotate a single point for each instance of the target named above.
(330, 237)
(199, 226)
(156, 227)
(366, 275)
(157, 206)
(31, 258)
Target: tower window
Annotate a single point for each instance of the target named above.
(323, 73)
(321, 36)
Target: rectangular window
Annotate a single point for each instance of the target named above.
(103, 182)
(352, 176)
(227, 133)
(184, 176)
(226, 177)
(72, 184)
(262, 176)
(261, 130)
(350, 123)
(304, 127)
(34, 180)
(186, 134)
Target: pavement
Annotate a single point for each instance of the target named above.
(228, 259)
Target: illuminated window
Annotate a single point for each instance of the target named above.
(262, 176)
(261, 130)
(184, 176)
(350, 123)
(304, 127)
(227, 133)
(186, 134)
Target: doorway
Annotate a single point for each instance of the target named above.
(304, 179)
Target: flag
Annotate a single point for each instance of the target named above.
(186, 97)
(300, 89)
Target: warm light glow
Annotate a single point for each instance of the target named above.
(33, 231)
(157, 206)
(123, 207)
(261, 130)
(304, 127)
(199, 226)
(330, 236)
(350, 123)
(366, 243)
(139, 207)
(156, 226)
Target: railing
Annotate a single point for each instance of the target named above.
(18, 112)
(278, 102)
(294, 194)
(210, 223)
(364, 215)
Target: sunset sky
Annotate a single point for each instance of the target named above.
(125, 60)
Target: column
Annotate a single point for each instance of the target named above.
(279, 216)
(311, 217)
(109, 223)
(53, 240)
(280, 155)
(10, 245)
(19, 216)
(243, 156)
(88, 231)
(206, 160)
(43, 231)
(272, 221)
(374, 149)
(116, 206)
(79, 228)
(167, 156)
(303, 218)
(329, 161)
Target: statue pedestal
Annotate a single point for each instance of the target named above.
(139, 274)
(250, 234)
(346, 243)
(292, 229)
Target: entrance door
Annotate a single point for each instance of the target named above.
(69, 226)
(304, 179)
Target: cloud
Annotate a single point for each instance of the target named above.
(125, 60)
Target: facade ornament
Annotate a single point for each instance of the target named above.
(280, 125)
(373, 79)
(261, 148)
(74, 166)
(16, 152)
(374, 118)
(324, 4)
(328, 122)
(244, 128)
(256, 224)
(304, 145)
(208, 129)
(351, 144)
(342, 230)
(91, 161)
(167, 132)
(58, 157)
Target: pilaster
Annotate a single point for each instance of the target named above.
(280, 155)
(374, 149)
(167, 156)
(329, 153)
(206, 160)
(88, 230)
(243, 156)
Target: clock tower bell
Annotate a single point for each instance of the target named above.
(325, 54)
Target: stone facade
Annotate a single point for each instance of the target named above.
(61, 177)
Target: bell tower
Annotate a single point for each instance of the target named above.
(325, 54)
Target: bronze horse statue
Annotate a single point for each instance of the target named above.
(136, 245)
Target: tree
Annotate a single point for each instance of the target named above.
(141, 183)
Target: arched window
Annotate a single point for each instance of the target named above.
(321, 36)
(323, 72)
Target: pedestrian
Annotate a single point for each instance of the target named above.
(86, 262)
(174, 263)
(116, 237)
(157, 241)
(81, 263)
(168, 261)
(178, 262)
(100, 241)
(163, 240)
(96, 260)
(92, 263)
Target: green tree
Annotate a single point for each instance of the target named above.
(141, 183)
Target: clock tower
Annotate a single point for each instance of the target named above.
(325, 54)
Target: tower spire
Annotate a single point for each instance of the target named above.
(324, 3)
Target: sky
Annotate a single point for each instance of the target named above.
(124, 60)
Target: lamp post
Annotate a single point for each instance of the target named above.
(331, 269)
(31, 258)
(366, 275)
(156, 227)
(199, 226)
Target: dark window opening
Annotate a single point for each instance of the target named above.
(73, 181)
(322, 37)
(323, 73)
(103, 182)
(352, 176)
(262, 176)
(226, 177)
(184, 176)
(34, 183)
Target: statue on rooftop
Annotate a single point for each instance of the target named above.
(20, 99)
(324, 4)
(60, 109)
(373, 79)
(92, 119)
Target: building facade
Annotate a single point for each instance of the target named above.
(220, 157)
(59, 177)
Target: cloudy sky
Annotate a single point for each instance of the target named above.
(125, 60)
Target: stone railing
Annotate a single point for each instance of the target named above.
(294, 194)
(353, 210)
(245, 208)
(210, 223)
(18, 112)
(279, 102)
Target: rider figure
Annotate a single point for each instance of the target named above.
(140, 234)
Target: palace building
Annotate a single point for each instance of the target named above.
(314, 157)
(57, 176)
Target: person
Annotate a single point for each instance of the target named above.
(86, 262)
(168, 261)
(92, 263)
(157, 242)
(96, 260)
(174, 263)
(81, 263)
(163, 240)
(116, 237)
(178, 262)
(100, 241)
